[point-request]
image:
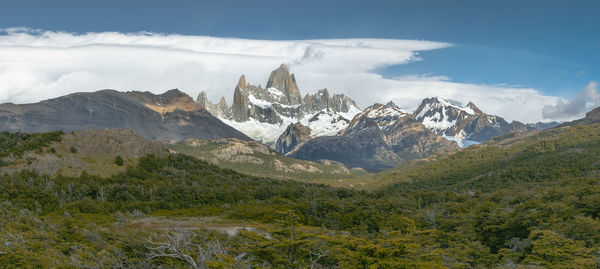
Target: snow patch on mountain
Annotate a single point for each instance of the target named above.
(323, 123)
(438, 122)
(445, 102)
(275, 91)
(328, 122)
(259, 102)
(385, 112)
(353, 111)
(265, 132)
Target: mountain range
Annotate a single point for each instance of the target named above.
(315, 127)
(322, 126)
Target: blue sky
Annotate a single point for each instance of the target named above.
(551, 46)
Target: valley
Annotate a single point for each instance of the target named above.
(185, 183)
(300, 134)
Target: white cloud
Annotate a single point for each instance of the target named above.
(37, 65)
(577, 106)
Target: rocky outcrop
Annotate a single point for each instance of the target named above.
(254, 158)
(169, 116)
(323, 100)
(294, 135)
(166, 102)
(219, 110)
(463, 123)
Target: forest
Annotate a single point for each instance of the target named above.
(534, 203)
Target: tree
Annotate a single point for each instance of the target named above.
(119, 160)
(187, 246)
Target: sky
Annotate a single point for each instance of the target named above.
(538, 56)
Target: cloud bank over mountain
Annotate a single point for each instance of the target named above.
(36, 65)
(585, 100)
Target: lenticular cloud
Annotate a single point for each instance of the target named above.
(37, 65)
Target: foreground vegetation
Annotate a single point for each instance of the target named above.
(534, 203)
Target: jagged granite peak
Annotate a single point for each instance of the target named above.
(342, 103)
(281, 79)
(169, 116)
(318, 101)
(240, 101)
(222, 102)
(322, 99)
(294, 135)
(467, 124)
(378, 138)
(264, 113)
(202, 99)
(220, 110)
(242, 82)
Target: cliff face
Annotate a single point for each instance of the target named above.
(282, 80)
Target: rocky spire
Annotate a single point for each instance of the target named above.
(222, 102)
(202, 99)
(239, 106)
(285, 82)
(242, 82)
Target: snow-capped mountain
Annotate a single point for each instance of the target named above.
(466, 125)
(378, 138)
(384, 115)
(265, 113)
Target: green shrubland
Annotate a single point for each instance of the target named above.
(533, 203)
